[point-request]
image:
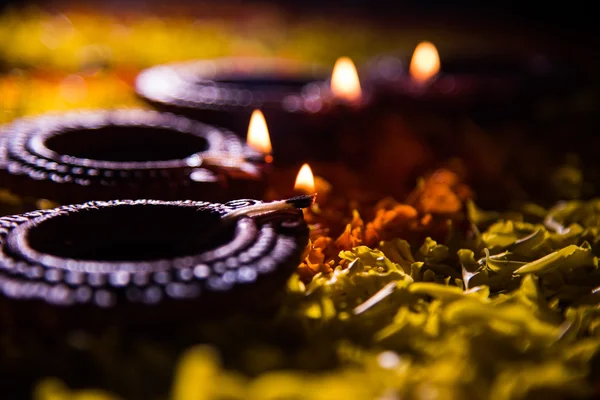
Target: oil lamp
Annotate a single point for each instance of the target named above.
(350, 113)
(225, 92)
(102, 155)
(148, 260)
(306, 110)
(461, 82)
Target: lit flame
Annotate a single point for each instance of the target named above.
(425, 62)
(258, 133)
(305, 181)
(344, 80)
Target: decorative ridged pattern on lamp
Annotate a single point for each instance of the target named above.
(102, 155)
(143, 254)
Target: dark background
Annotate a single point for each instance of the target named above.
(578, 16)
(571, 21)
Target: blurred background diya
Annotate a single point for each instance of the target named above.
(310, 200)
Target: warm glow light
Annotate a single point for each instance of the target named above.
(258, 133)
(305, 181)
(344, 80)
(425, 63)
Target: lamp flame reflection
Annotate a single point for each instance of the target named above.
(345, 84)
(425, 63)
(305, 181)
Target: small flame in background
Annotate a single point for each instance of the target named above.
(425, 62)
(305, 181)
(258, 133)
(344, 80)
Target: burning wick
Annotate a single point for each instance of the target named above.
(259, 210)
(425, 63)
(258, 139)
(345, 84)
(297, 202)
(305, 180)
(258, 135)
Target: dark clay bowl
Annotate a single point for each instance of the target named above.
(142, 262)
(101, 155)
(304, 122)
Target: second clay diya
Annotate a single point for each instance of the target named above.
(102, 155)
(305, 119)
(149, 258)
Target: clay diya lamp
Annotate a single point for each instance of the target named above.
(495, 84)
(147, 261)
(476, 107)
(102, 155)
(306, 117)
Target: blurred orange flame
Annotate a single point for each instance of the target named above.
(305, 181)
(258, 133)
(344, 80)
(425, 62)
